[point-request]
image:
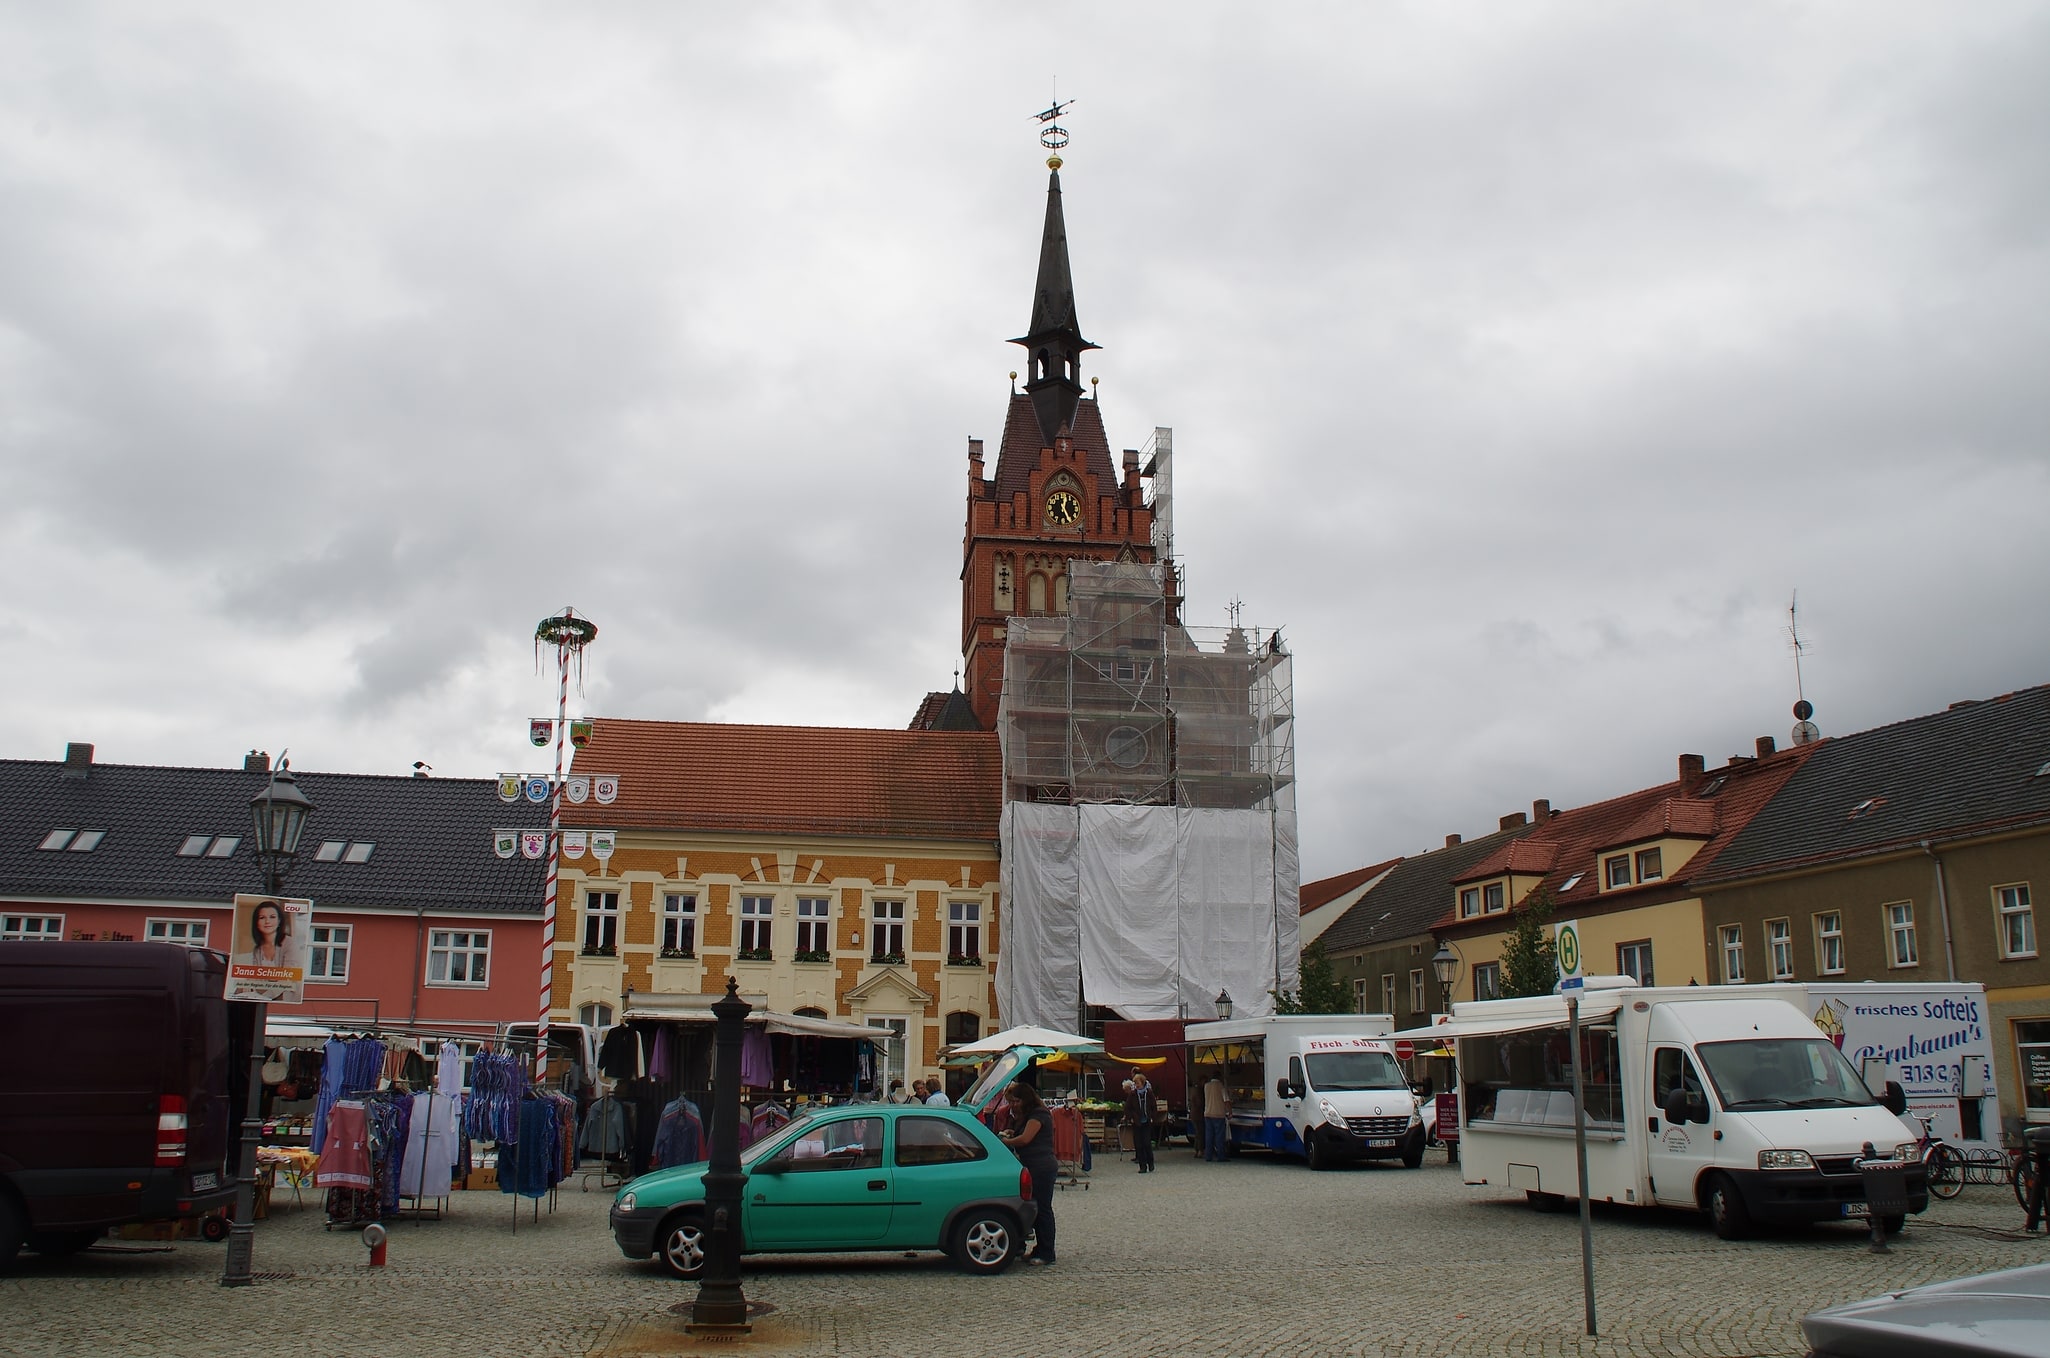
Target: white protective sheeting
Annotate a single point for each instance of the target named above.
(1150, 910)
(1288, 909)
(1039, 970)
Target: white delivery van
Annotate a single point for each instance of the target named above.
(1725, 1099)
(1324, 1087)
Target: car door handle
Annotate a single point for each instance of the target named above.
(1654, 1126)
(878, 1185)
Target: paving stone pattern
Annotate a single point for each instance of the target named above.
(1253, 1257)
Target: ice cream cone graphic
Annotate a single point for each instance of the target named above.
(1831, 1026)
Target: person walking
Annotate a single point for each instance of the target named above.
(1139, 1108)
(1030, 1137)
(1216, 1114)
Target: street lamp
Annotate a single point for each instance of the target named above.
(1446, 963)
(278, 815)
(1223, 1004)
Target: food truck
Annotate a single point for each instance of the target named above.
(1930, 1037)
(1722, 1099)
(1326, 1088)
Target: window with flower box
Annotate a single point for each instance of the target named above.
(814, 929)
(886, 940)
(757, 915)
(964, 933)
(679, 924)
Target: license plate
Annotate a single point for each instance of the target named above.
(1377, 1142)
(1856, 1209)
(201, 1183)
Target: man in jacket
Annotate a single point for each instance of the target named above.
(1140, 1105)
(1216, 1112)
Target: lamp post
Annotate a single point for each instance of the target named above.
(278, 814)
(721, 1306)
(1446, 963)
(1223, 1004)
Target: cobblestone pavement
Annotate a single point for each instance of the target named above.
(1251, 1257)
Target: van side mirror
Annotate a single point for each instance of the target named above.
(1680, 1107)
(1287, 1090)
(1895, 1099)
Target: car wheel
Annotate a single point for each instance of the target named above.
(681, 1243)
(1319, 1157)
(1544, 1202)
(1894, 1225)
(1726, 1210)
(13, 1226)
(985, 1242)
(57, 1244)
(1413, 1157)
(214, 1229)
(1946, 1173)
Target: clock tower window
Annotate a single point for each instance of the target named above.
(1060, 592)
(1035, 593)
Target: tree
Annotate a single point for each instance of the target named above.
(1319, 991)
(1530, 965)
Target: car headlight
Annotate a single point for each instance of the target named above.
(1331, 1114)
(1785, 1160)
(626, 1201)
(1908, 1150)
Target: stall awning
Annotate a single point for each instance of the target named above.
(1547, 1011)
(681, 1008)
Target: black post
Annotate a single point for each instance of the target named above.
(242, 1231)
(721, 1306)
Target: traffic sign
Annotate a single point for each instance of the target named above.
(1566, 947)
(1572, 982)
(1404, 1050)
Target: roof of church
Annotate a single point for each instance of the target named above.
(817, 780)
(1018, 453)
(1053, 291)
(945, 712)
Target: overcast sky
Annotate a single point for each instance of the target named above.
(1523, 360)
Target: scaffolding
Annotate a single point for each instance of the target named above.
(1149, 830)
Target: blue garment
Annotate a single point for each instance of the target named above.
(529, 1166)
(1213, 1138)
(347, 1067)
(680, 1137)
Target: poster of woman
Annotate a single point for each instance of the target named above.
(267, 958)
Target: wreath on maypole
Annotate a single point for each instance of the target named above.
(565, 632)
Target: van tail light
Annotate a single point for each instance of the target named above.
(1024, 1183)
(170, 1132)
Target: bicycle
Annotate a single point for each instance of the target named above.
(1942, 1166)
(2022, 1174)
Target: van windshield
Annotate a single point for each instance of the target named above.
(1783, 1072)
(1334, 1072)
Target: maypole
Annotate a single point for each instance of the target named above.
(567, 633)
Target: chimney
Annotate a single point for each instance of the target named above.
(1766, 746)
(975, 464)
(256, 761)
(1692, 766)
(1451, 841)
(78, 757)
(1541, 810)
(1512, 820)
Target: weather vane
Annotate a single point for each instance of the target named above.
(1051, 134)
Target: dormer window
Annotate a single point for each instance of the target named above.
(1469, 902)
(1492, 899)
(1648, 865)
(1616, 871)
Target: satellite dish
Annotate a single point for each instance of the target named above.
(1803, 710)
(1806, 732)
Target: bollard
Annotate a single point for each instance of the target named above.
(374, 1241)
(2036, 1145)
(1886, 1193)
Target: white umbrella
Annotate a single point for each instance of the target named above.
(1029, 1035)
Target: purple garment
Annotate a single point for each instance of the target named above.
(756, 1070)
(658, 1061)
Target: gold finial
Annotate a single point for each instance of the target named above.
(1053, 162)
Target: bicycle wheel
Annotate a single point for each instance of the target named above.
(1946, 1171)
(2024, 1180)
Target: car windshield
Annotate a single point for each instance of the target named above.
(1333, 1072)
(771, 1143)
(1783, 1072)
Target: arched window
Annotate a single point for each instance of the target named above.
(811, 1011)
(1060, 592)
(1035, 593)
(595, 1015)
(963, 1026)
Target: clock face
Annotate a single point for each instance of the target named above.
(1063, 508)
(1125, 747)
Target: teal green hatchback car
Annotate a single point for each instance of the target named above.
(865, 1176)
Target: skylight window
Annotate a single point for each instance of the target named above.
(1570, 882)
(224, 846)
(209, 846)
(87, 841)
(56, 839)
(359, 852)
(331, 851)
(194, 845)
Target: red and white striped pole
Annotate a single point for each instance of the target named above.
(566, 632)
(554, 861)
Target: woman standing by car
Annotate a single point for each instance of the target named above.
(1030, 1138)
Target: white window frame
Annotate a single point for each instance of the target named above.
(1359, 994)
(1417, 1001)
(1900, 935)
(189, 933)
(815, 924)
(15, 928)
(679, 925)
(1494, 898)
(1492, 972)
(470, 945)
(1632, 955)
(601, 924)
(596, 1014)
(2016, 913)
(331, 942)
(1657, 864)
(887, 921)
(1779, 947)
(757, 925)
(964, 929)
(1829, 943)
(1469, 902)
(1613, 880)
(1387, 992)
(1731, 938)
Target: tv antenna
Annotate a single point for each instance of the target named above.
(1051, 134)
(1805, 731)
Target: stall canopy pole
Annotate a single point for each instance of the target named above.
(554, 863)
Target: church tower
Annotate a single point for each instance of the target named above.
(1056, 496)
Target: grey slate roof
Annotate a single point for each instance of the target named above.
(1414, 894)
(1973, 768)
(432, 836)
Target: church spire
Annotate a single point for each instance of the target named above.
(1054, 345)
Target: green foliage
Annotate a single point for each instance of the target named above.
(1530, 965)
(1319, 990)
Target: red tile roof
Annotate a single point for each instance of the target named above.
(1524, 857)
(1577, 837)
(822, 780)
(1327, 889)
